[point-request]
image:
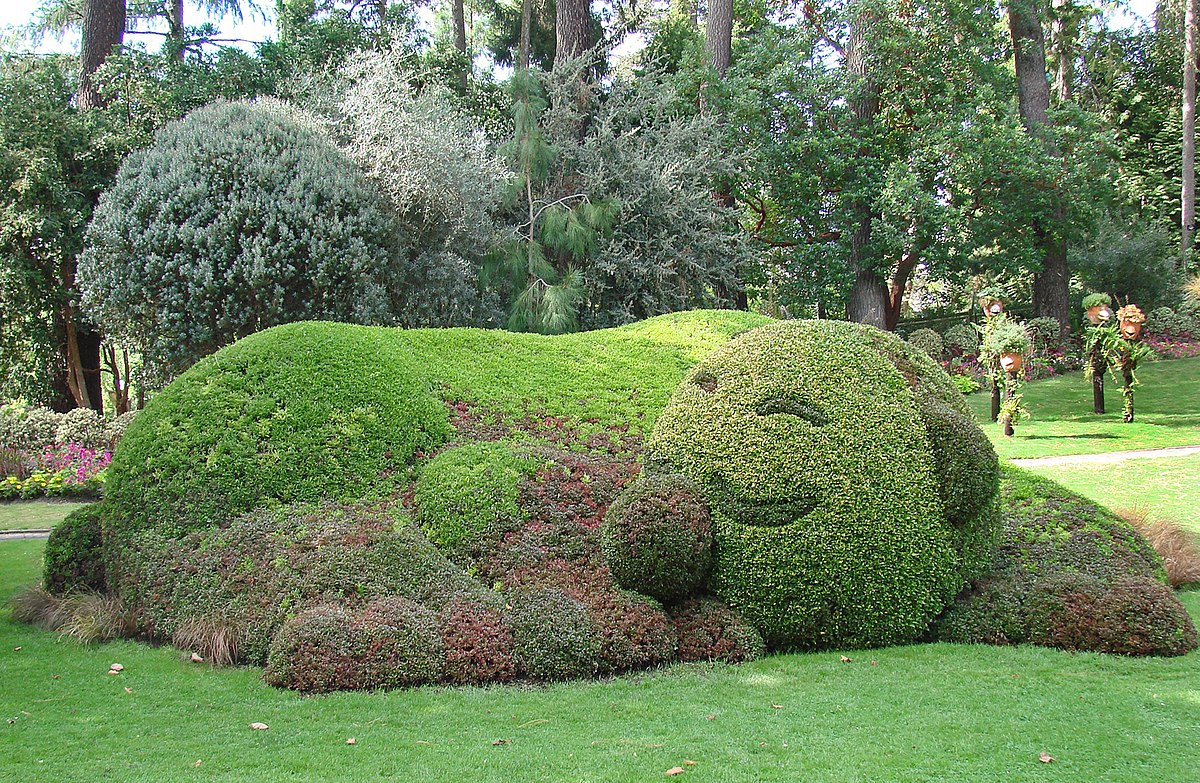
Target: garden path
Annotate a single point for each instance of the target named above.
(1107, 457)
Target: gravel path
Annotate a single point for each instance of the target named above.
(36, 532)
(1107, 458)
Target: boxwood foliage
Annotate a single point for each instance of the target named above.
(1069, 574)
(74, 557)
(809, 441)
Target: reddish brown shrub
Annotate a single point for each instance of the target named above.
(708, 630)
(478, 643)
(635, 633)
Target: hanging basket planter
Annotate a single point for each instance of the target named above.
(993, 307)
(1132, 319)
(1011, 362)
(1131, 330)
(1099, 314)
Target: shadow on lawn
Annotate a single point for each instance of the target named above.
(1078, 435)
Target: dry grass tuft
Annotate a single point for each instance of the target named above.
(37, 607)
(213, 640)
(85, 617)
(1176, 545)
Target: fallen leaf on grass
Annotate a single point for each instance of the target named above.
(352, 741)
(874, 663)
(777, 706)
(116, 667)
(674, 771)
(16, 649)
(1045, 757)
(198, 762)
(710, 717)
(196, 658)
(259, 726)
(689, 763)
(845, 659)
(502, 742)
(129, 690)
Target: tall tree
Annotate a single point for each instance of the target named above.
(718, 37)
(1050, 283)
(573, 28)
(103, 31)
(1188, 196)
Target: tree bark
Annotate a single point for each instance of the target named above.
(459, 16)
(1051, 295)
(869, 297)
(175, 32)
(718, 34)
(572, 29)
(103, 31)
(526, 25)
(1188, 195)
(1063, 28)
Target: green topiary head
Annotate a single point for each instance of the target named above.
(814, 443)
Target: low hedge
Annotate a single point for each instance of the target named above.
(74, 553)
(1069, 574)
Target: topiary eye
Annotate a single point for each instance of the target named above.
(779, 406)
(706, 381)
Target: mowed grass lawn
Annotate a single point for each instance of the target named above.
(1166, 487)
(917, 713)
(1167, 413)
(21, 514)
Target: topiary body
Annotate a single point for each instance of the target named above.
(811, 445)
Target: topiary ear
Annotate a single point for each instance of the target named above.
(967, 468)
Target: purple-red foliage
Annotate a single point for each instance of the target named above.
(708, 630)
(478, 642)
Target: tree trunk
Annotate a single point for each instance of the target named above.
(1188, 217)
(1051, 296)
(899, 282)
(526, 24)
(718, 34)
(1063, 26)
(459, 16)
(1099, 367)
(103, 31)
(868, 303)
(572, 29)
(175, 32)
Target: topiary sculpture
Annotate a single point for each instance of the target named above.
(812, 443)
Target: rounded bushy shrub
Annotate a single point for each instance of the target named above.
(469, 493)
(238, 217)
(1069, 574)
(554, 637)
(261, 422)
(398, 644)
(1169, 323)
(478, 641)
(928, 341)
(311, 651)
(709, 630)
(964, 337)
(635, 632)
(83, 426)
(808, 441)
(28, 428)
(74, 553)
(1045, 332)
(657, 537)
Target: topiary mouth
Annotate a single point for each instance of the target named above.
(774, 513)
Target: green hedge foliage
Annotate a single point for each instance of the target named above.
(928, 341)
(1069, 574)
(809, 443)
(74, 556)
(657, 538)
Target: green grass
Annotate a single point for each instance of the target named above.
(19, 514)
(1165, 487)
(1167, 414)
(925, 712)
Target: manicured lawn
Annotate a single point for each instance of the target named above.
(925, 712)
(1167, 414)
(1164, 487)
(18, 514)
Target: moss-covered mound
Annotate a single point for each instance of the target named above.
(1069, 574)
(852, 495)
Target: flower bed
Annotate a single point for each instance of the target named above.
(71, 470)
